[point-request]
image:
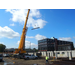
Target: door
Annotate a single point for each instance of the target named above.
(32, 56)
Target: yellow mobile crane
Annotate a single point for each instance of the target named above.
(21, 48)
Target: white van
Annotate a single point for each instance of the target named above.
(1, 57)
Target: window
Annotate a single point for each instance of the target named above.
(41, 49)
(58, 52)
(45, 45)
(48, 39)
(51, 45)
(38, 48)
(63, 52)
(69, 47)
(32, 55)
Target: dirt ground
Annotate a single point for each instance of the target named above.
(15, 61)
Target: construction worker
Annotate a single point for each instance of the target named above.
(46, 59)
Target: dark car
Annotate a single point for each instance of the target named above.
(20, 56)
(1, 57)
(6, 55)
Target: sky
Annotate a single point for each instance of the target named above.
(58, 23)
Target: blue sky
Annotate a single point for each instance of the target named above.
(58, 23)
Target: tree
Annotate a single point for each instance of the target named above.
(2, 47)
(34, 49)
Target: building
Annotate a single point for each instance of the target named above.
(54, 44)
(9, 50)
(65, 45)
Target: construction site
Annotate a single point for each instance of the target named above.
(58, 52)
(39, 61)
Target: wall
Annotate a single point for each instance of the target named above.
(32, 53)
(59, 53)
(44, 53)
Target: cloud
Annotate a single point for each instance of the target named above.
(33, 45)
(29, 37)
(39, 37)
(39, 23)
(65, 39)
(8, 32)
(35, 13)
(74, 37)
(28, 44)
(1, 43)
(19, 15)
(12, 24)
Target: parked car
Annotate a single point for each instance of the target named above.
(20, 56)
(6, 55)
(1, 57)
(30, 57)
(39, 55)
(36, 57)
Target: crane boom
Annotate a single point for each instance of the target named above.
(21, 47)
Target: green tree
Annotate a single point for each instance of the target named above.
(2, 47)
(34, 49)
